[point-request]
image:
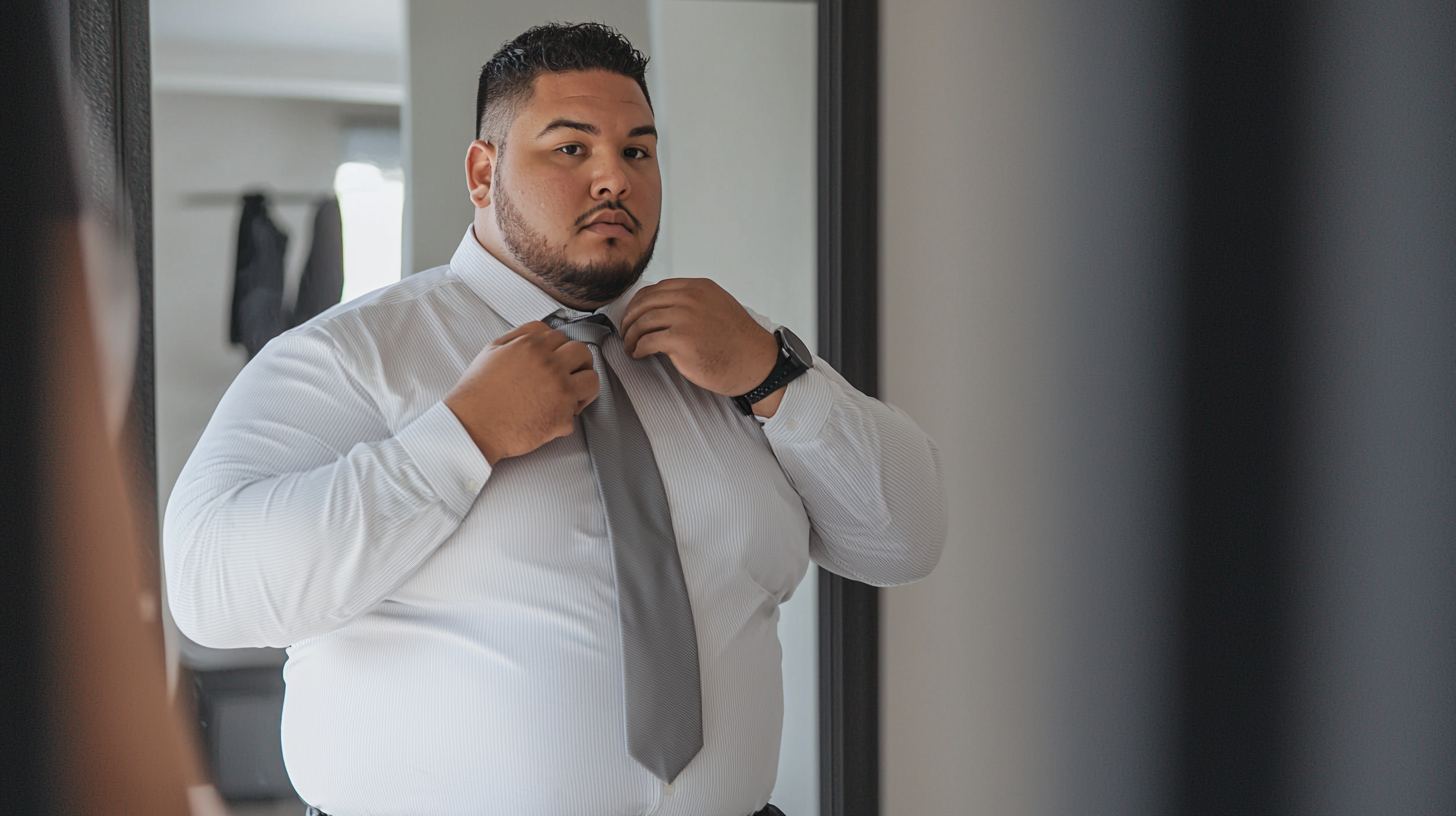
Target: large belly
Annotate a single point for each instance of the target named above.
(503, 713)
(395, 714)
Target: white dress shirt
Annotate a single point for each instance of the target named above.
(452, 627)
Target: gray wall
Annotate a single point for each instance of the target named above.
(734, 87)
(1374, 638)
(1026, 221)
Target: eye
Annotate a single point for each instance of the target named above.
(571, 149)
(635, 153)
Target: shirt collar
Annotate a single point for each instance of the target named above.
(514, 298)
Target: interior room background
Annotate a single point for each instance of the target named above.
(368, 99)
(1171, 284)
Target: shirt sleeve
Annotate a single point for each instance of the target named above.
(284, 525)
(870, 479)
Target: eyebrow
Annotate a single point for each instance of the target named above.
(557, 124)
(584, 127)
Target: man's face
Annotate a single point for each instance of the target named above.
(577, 192)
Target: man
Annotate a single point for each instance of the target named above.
(525, 551)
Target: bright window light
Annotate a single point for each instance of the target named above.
(371, 205)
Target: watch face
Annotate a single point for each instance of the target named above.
(796, 348)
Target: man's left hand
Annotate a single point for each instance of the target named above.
(712, 340)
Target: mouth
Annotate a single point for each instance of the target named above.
(610, 219)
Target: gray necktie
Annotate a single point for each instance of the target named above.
(664, 696)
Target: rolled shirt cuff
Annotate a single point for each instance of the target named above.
(803, 410)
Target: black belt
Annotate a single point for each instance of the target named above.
(768, 810)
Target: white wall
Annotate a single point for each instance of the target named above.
(222, 144)
(734, 84)
(1026, 241)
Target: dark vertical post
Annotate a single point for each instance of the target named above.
(1238, 264)
(1375, 614)
(36, 216)
(849, 631)
(110, 73)
(134, 112)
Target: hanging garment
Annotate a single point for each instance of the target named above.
(322, 283)
(257, 315)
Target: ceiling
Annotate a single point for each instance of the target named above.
(316, 25)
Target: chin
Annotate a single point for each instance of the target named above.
(608, 251)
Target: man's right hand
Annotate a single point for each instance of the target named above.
(523, 390)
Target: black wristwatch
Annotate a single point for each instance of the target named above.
(794, 359)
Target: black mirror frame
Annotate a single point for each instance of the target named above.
(848, 286)
(849, 628)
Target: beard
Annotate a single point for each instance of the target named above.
(596, 282)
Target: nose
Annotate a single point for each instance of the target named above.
(609, 182)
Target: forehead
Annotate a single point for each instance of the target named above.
(608, 98)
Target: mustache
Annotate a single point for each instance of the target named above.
(608, 205)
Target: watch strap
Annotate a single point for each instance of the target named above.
(783, 373)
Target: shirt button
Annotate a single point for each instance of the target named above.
(473, 486)
(669, 788)
(790, 424)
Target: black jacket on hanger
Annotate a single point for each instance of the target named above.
(322, 283)
(257, 314)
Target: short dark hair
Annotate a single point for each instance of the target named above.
(507, 79)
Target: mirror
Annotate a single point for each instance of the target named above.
(369, 102)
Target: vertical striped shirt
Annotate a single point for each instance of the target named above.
(451, 627)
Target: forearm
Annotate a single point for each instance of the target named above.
(870, 479)
(257, 558)
(304, 503)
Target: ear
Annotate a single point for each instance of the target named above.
(480, 172)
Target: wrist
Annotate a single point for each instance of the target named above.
(762, 359)
(792, 358)
(769, 405)
(487, 445)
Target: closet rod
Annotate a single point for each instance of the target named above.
(228, 199)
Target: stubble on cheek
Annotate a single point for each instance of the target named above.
(592, 282)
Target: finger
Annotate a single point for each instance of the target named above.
(662, 341)
(519, 331)
(685, 285)
(644, 300)
(667, 284)
(547, 339)
(552, 339)
(652, 320)
(535, 332)
(574, 356)
(584, 386)
(663, 289)
(656, 300)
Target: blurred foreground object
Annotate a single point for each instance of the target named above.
(87, 724)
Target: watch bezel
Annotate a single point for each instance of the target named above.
(796, 349)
